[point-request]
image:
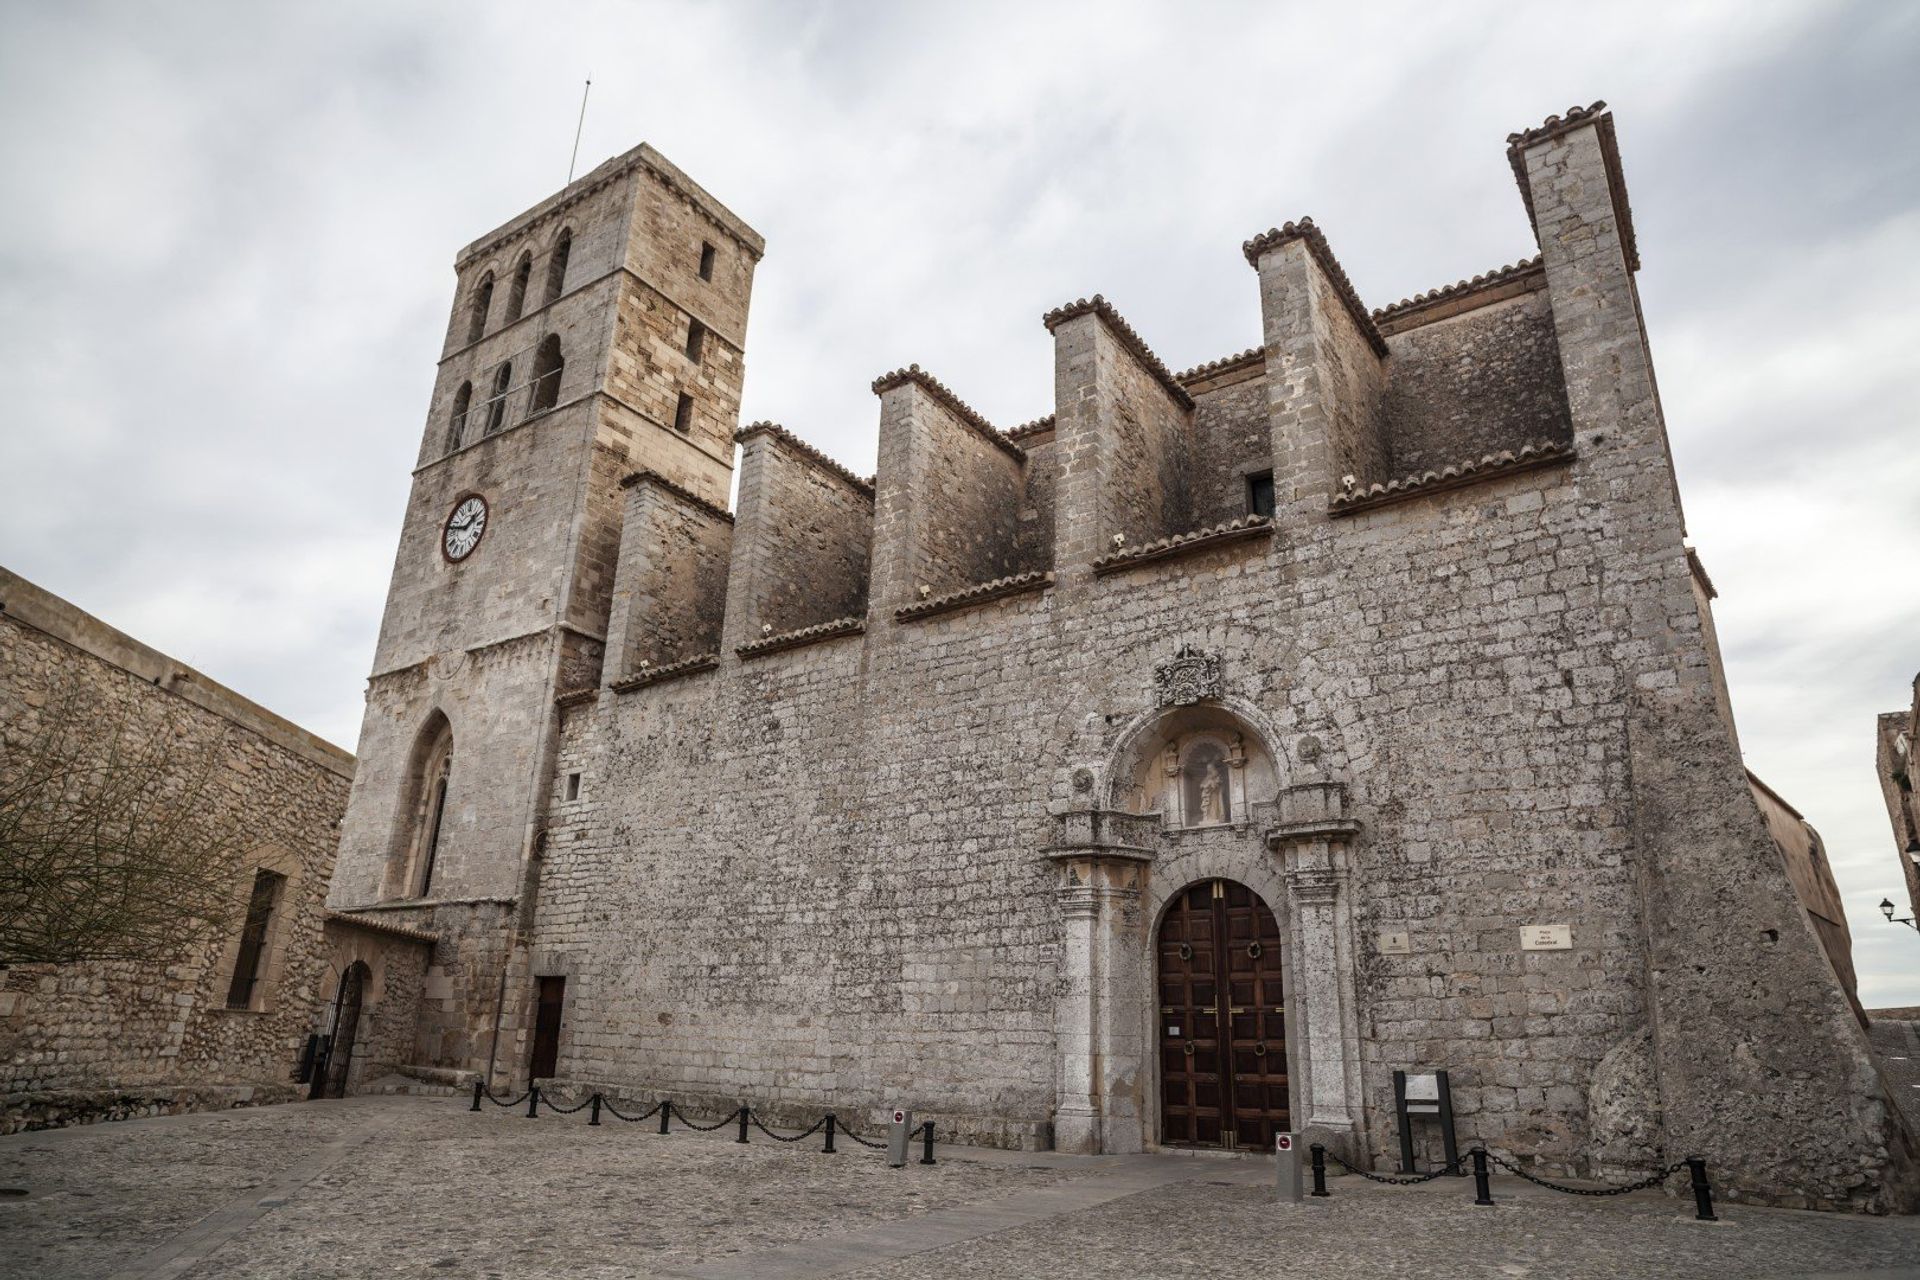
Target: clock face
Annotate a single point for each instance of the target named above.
(464, 527)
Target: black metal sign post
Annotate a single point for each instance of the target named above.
(1425, 1094)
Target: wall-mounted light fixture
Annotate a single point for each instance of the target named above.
(1886, 909)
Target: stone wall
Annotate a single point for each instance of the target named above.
(803, 540)
(101, 1040)
(671, 589)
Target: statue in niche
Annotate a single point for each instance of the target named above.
(1207, 797)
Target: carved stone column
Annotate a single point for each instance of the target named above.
(1312, 840)
(1103, 865)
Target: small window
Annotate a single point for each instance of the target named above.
(706, 260)
(497, 403)
(517, 291)
(482, 303)
(251, 964)
(683, 414)
(547, 367)
(457, 424)
(573, 786)
(557, 264)
(696, 339)
(1260, 494)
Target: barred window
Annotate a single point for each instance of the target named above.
(251, 963)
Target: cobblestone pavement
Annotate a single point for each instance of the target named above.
(421, 1187)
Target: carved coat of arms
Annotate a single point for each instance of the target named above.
(1187, 677)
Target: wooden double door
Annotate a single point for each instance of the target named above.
(1222, 1019)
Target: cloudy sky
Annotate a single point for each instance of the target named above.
(226, 248)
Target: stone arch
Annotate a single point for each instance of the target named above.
(1231, 726)
(419, 817)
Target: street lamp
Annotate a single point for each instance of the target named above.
(1886, 909)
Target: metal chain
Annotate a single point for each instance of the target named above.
(551, 1105)
(488, 1095)
(1653, 1179)
(846, 1132)
(721, 1123)
(818, 1125)
(606, 1104)
(1391, 1180)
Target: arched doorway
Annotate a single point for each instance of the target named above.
(347, 1002)
(1223, 1037)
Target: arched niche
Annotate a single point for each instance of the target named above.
(1195, 766)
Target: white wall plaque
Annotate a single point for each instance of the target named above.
(1395, 944)
(1546, 937)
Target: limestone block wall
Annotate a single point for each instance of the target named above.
(1465, 385)
(670, 592)
(1232, 440)
(102, 1039)
(803, 537)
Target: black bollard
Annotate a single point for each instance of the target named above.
(1702, 1192)
(533, 1102)
(594, 1116)
(926, 1150)
(477, 1087)
(829, 1147)
(1319, 1169)
(743, 1123)
(666, 1109)
(1482, 1190)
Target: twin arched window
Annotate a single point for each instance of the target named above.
(557, 264)
(482, 303)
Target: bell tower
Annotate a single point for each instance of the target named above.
(598, 333)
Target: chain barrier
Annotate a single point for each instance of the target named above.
(1653, 1179)
(818, 1125)
(848, 1133)
(488, 1095)
(606, 1104)
(1392, 1180)
(721, 1123)
(551, 1105)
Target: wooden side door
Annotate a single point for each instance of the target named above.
(546, 1028)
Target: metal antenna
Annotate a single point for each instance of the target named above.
(575, 158)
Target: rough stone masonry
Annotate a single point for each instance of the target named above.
(1172, 769)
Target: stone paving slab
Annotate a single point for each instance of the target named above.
(422, 1187)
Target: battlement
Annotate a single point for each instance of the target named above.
(1338, 411)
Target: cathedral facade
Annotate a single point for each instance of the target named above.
(1171, 770)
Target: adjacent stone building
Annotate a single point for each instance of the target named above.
(1172, 769)
(225, 1023)
(1894, 751)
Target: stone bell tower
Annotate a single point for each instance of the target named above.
(599, 333)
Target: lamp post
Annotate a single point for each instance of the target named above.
(1886, 909)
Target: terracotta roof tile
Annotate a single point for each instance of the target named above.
(1497, 276)
(977, 593)
(671, 671)
(1180, 544)
(1452, 476)
(852, 625)
(775, 431)
(658, 481)
(1577, 117)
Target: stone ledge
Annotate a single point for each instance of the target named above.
(1317, 245)
(1098, 305)
(688, 496)
(671, 671)
(852, 625)
(774, 431)
(978, 593)
(1185, 544)
(1507, 462)
(960, 409)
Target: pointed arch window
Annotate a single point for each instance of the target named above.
(421, 829)
(557, 264)
(457, 423)
(497, 402)
(517, 291)
(547, 367)
(482, 303)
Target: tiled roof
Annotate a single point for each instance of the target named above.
(1252, 355)
(775, 431)
(374, 925)
(1180, 544)
(1452, 476)
(944, 394)
(1098, 305)
(1317, 245)
(658, 481)
(575, 697)
(1037, 427)
(978, 593)
(849, 626)
(671, 671)
(1461, 288)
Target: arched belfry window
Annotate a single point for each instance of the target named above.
(423, 812)
(557, 264)
(457, 423)
(497, 402)
(517, 291)
(482, 303)
(547, 367)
